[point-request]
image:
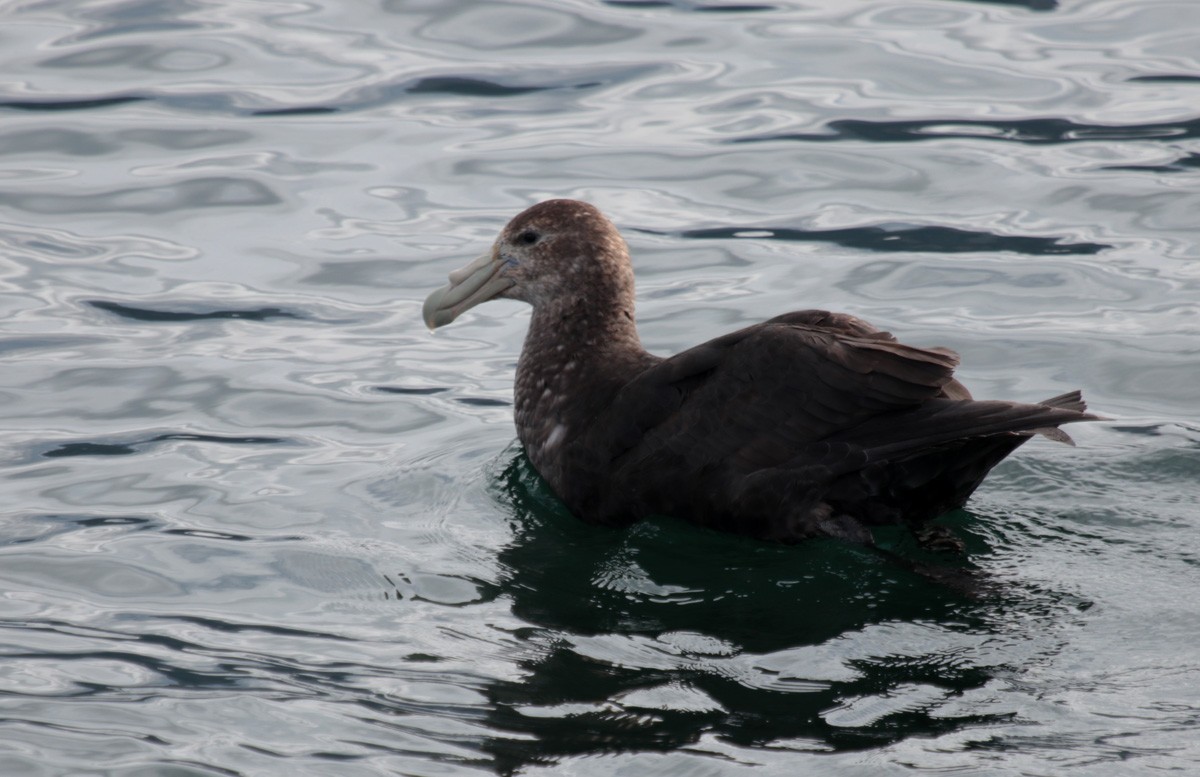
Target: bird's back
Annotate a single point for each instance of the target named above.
(800, 426)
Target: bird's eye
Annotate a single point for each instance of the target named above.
(528, 237)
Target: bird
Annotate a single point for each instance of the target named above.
(812, 424)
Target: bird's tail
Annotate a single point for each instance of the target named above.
(1072, 400)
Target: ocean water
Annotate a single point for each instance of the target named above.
(257, 520)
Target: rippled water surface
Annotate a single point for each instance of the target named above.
(259, 521)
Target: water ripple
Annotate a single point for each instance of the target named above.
(212, 192)
(258, 520)
(68, 105)
(147, 314)
(127, 448)
(1030, 131)
(901, 238)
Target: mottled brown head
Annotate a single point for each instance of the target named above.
(558, 252)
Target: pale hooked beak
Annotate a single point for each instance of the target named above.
(478, 282)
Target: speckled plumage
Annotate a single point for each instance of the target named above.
(810, 424)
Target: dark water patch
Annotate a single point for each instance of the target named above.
(652, 638)
(39, 528)
(318, 755)
(374, 96)
(176, 675)
(472, 87)
(456, 86)
(107, 520)
(1167, 79)
(733, 8)
(900, 238)
(1028, 131)
(148, 314)
(173, 674)
(469, 87)
(444, 590)
(1032, 5)
(482, 401)
(215, 102)
(414, 391)
(128, 448)
(460, 86)
(423, 658)
(83, 104)
(211, 102)
(208, 534)
(230, 627)
(683, 560)
(1184, 164)
(314, 110)
(698, 7)
(1176, 430)
(90, 449)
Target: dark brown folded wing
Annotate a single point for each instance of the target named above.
(754, 398)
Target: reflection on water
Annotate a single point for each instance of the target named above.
(258, 520)
(666, 637)
(903, 238)
(1018, 130)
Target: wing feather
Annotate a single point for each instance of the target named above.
(755, 397)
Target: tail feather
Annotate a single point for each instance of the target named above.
(1072, 400)
(1052, 433)
(943, 421)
